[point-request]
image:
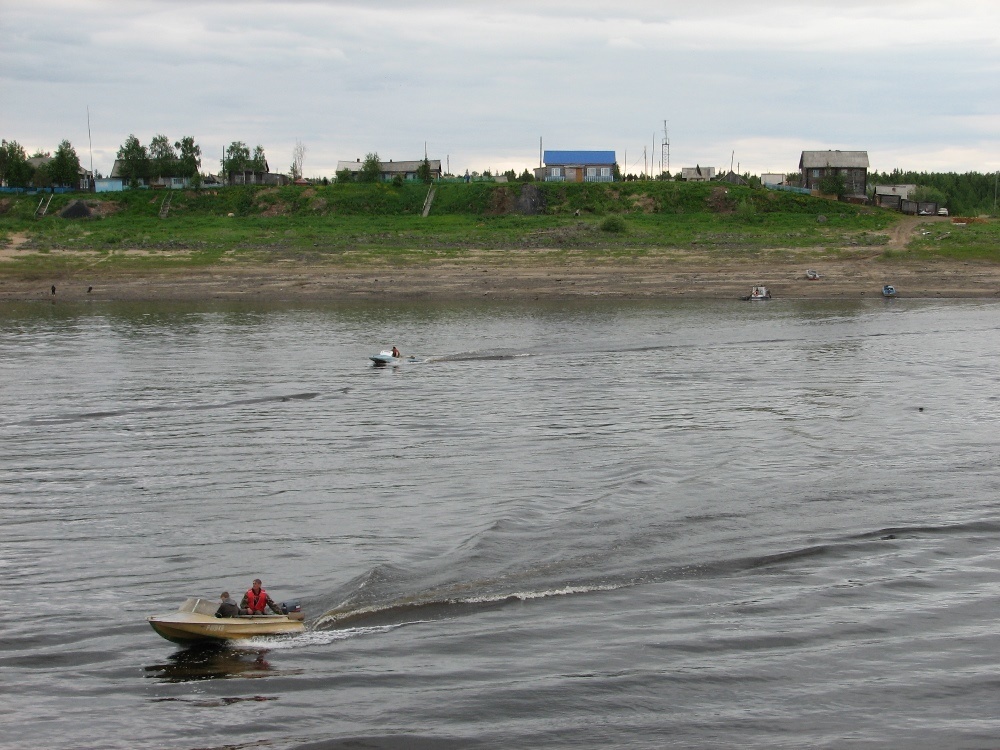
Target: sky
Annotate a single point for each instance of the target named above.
(747, 84)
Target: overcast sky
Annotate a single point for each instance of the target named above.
(752, 82)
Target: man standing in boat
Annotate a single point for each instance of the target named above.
(256, 599)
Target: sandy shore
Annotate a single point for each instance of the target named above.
(647, 278)
(529, 275)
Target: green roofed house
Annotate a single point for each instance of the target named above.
(577, 166)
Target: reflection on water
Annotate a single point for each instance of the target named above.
(210, 662)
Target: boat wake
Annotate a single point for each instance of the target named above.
(84, 416)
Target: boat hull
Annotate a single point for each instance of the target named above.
(191, 627)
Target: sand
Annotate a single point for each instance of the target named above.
(531, 275)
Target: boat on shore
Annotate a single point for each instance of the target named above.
(195, 622)
(888, 291)
(758, 293)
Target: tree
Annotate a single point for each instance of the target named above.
(927, 194)
(40, 175)
(14, 168)
(134, 161)
(64, 169)
(163, 160)
(189, 159)
(235, 159)
(298, 157)
(345, 175)
(371, 169)
(424, 171)
(259, 162)
(832, 183)
(526, 176)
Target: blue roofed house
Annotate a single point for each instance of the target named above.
(577, 166)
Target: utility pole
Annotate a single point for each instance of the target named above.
(90, 138)
(665, 151)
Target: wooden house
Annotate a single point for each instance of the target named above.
(851, 165)
(697, 174)
(892, 196)
(408, 170)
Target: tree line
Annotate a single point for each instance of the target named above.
(161, 159)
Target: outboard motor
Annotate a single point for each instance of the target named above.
(290, 607)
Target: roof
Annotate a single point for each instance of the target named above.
(390, 166)
(579, 157)
(903, 190)
(814, 159)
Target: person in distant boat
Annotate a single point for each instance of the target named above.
(395, 353)
(256, 600)
(227, 606)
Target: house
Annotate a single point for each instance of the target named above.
(892, 196)
(174, 183)
(109, 185)
(408, 170)
(697, 174)
(577, 166)
(852, 166)
(84, 183)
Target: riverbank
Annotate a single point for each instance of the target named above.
(490, 276)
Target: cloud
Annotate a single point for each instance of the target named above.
(481, 82)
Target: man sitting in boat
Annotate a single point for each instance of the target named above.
(255, 600)
(227, 607)
(395, 353)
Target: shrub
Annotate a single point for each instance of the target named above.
(614, 224)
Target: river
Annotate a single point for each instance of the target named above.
(588, 525)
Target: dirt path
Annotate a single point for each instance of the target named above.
(11, 249)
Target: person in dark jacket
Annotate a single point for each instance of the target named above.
(255, 600)
(227, 607)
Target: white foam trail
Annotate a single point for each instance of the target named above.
(312, 638)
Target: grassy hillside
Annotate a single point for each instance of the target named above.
(358, 223)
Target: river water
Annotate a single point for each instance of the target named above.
(588, 525)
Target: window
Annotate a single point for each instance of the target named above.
(556, 171)
(591, 171)
(605, 171)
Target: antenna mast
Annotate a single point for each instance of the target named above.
(665, 150)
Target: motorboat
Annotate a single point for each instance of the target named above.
(195, 622)
(386, 358)
(759, 293)
(888, 291)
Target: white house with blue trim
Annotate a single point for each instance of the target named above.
(577, 166)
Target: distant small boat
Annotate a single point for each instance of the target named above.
(759, 293)
(812, 275)
(385, 358)
(888, 291)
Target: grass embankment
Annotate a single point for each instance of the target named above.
(363, 224)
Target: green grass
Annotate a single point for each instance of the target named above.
(359, 224)
(979, 241)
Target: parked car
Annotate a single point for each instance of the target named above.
(942, 212)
